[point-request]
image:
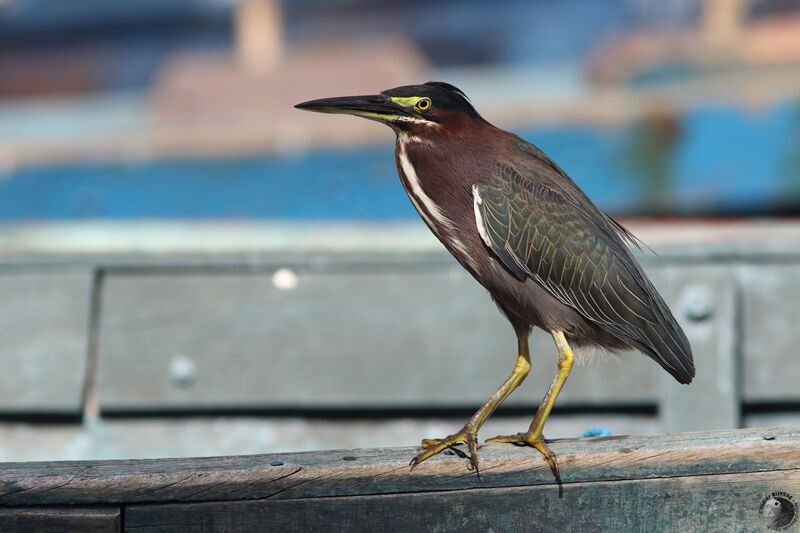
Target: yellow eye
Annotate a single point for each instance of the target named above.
(423, 104)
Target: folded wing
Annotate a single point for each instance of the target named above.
(574, 250)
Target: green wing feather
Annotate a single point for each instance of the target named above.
(540, 230)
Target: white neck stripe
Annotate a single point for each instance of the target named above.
(428, 205)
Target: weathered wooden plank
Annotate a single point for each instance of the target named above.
(703, 299)
(722, 502)
(61, 519)
(386, 471)
(368, 336)
(44, 322)
(771, 307)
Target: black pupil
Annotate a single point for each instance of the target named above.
(423, 104)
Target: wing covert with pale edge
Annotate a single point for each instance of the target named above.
(574, 252)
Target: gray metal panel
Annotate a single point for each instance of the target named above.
(770, 322)
(360, 338)
(44, 321)
(703, 299)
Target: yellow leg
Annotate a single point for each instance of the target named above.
(469, 432)
(534, 435)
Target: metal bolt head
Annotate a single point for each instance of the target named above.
(182, 371)
(284, 279)
(697, 302)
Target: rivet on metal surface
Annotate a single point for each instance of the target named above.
(697, 302)
(182, 371)
(284, 279)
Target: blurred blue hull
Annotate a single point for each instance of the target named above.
(709, 162)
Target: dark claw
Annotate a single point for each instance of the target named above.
(456, 451)
(554, 468)
(473, 456)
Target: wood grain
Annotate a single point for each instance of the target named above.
(338, 473)
(722, 502)
(61, 519)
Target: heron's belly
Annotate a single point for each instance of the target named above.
(529, 303)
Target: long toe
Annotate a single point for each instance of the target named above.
(513, 439)
(427, 443)
(537, 441)
(433, 446)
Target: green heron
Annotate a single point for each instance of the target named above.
(524, 230)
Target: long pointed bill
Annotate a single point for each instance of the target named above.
(376, 107)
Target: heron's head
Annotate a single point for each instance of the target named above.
(434, 105)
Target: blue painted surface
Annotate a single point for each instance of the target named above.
(720, 161)
(354, 184)
(597, 432)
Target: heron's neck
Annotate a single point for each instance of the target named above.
(425, 205)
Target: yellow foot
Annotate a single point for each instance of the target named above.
(434, 446)
(537, 441)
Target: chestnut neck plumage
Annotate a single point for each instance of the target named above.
(429, 156)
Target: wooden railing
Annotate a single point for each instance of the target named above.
(710, 481)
